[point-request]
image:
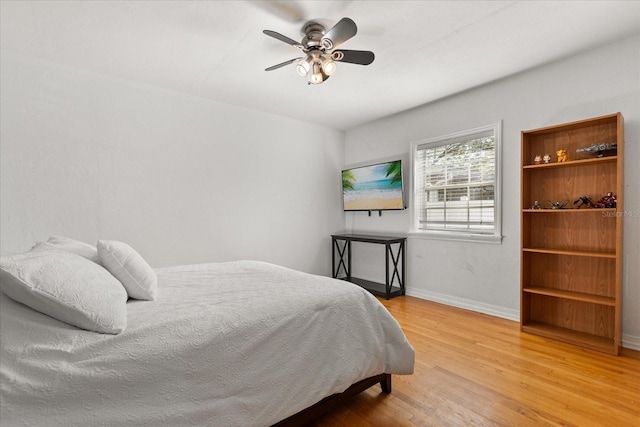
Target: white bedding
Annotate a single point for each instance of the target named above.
(230, 344)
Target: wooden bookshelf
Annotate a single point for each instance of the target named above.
(571, 258)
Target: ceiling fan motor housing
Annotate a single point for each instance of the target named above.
(313, 32)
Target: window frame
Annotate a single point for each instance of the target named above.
(460, 235)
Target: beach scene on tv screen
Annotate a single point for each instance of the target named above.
(374, 187)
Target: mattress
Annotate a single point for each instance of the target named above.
(241, 343)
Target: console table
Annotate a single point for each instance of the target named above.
(341, 244)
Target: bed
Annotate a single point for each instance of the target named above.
(242, 343)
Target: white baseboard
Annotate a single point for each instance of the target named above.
(628, 341)
(492, 310)
(631, 342)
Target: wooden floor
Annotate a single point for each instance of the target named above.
(476, 370)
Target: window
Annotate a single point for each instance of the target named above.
(456, 185)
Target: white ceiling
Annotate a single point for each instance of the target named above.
(425, 50)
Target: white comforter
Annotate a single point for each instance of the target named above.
(231, 344)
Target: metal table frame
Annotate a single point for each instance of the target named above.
(393, 271)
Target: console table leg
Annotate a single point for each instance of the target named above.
(334, 273)
(399, 256)
(348, 248)
(404, 264)
(345, 251)
(386, 267)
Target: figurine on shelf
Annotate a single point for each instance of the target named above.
(536, 205)
(537, 159)
(546, 158)
(557, 205)
(608, 201)
(584, 201)
(562, 156)
(599, 148)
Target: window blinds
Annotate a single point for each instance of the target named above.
(455, 182)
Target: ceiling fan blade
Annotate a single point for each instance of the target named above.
(362, 57)
(282, 38)
(273, 67)
(340, 33)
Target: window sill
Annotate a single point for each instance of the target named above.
(460, 237)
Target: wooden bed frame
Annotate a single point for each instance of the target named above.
(328, 403)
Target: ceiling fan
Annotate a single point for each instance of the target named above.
(319, 47)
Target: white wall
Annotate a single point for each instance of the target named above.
(485, 277)
(185, 180)
(180, 178)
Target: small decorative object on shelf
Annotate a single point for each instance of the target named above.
(536, 205)
(562, 156)
(546, 158)
(599, 148)
(557, 205)
(537, 159)
(608, 201)
(584, 201)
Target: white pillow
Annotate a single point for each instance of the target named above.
(130, 268)
(67, 287)
(69, 245)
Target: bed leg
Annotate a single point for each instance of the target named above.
(386, 383)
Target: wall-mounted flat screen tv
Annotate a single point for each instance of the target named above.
(376, 187)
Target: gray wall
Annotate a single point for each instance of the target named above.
(485, 277)
(180, 178)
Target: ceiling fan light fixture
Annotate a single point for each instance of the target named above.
(306, 65)
(302, 68)
(316, 77)
(328, 66)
